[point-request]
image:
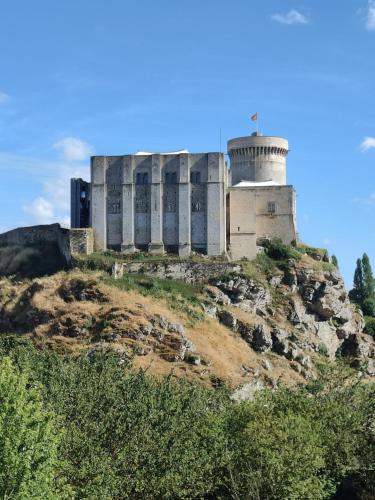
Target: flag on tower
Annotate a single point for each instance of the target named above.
(254, 118)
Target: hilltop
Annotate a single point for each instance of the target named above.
(258, 323)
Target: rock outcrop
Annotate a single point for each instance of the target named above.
(238, 324)
(293, 313)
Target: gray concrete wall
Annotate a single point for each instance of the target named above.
(258, 158)
(216, 212)
(281, 224)
(242, 223)
(251, 218)
(166, 210)
(99, 202)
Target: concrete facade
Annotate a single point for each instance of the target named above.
(257, 213)
(260, 204)
(80, 193)
(159, 202)
(180, 202)
(258, 158)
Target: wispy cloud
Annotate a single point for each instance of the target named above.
(291, 17)
(73, 149)
(367, 143)
(41, 211)
(4, 98)
(369, 200)
(370, 16)
(52, 203)
(327, 241)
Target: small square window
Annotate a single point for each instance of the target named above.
(195, 177)
(171, 178)
(271, 207)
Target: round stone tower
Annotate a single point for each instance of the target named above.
(258, 158)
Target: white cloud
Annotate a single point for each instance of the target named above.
(369, 201)
(52, 202)
(4, 98)
(327, 241)
(370, 18)
(73, 149)
(292, 17)
(41, 210)
(367, 143)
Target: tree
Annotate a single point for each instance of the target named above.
(28, 439)
(357, 293)
(368, 278)
(335, 261)
(363, 292)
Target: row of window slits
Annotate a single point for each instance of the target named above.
(170, 178)
(258, 151)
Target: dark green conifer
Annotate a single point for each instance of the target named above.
(335, 261)
(368, 278)
(357, 293)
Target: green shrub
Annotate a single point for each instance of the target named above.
(180, 296)
(368, 306)
(277, 250)
(29, 439)
(127, 435)
(322, 349)
(370, 325)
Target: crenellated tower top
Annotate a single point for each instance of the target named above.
(258, 158)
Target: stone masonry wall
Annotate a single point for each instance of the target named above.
(189, 272)
(39, 235)
(81, 241)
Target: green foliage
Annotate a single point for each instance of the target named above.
(322, 349)
(363, 292)
(28, 439)
(291, 445)
(277, 250)
(181, 296)
(335, 261)
(368, 306)
(368, 277)
(128, 435)
(370, 326)
(314, 252)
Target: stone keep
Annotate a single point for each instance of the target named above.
(260, 203)
(158, 202)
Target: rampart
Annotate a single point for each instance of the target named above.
(190, 272)
(35, 250)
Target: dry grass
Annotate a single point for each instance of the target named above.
(45, 315)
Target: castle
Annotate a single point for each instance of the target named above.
(181, 202)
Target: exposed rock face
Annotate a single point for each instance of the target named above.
(243, 292)
(315, 312)
(275, 321)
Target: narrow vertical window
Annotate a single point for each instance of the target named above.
(271, 207)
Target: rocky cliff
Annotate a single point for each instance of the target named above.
(251, 324)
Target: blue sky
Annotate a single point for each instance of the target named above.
(116, 76)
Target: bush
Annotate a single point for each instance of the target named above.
(128, 435)
(368, 306)
(277, 250)
(28, 439)
(370, 326)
